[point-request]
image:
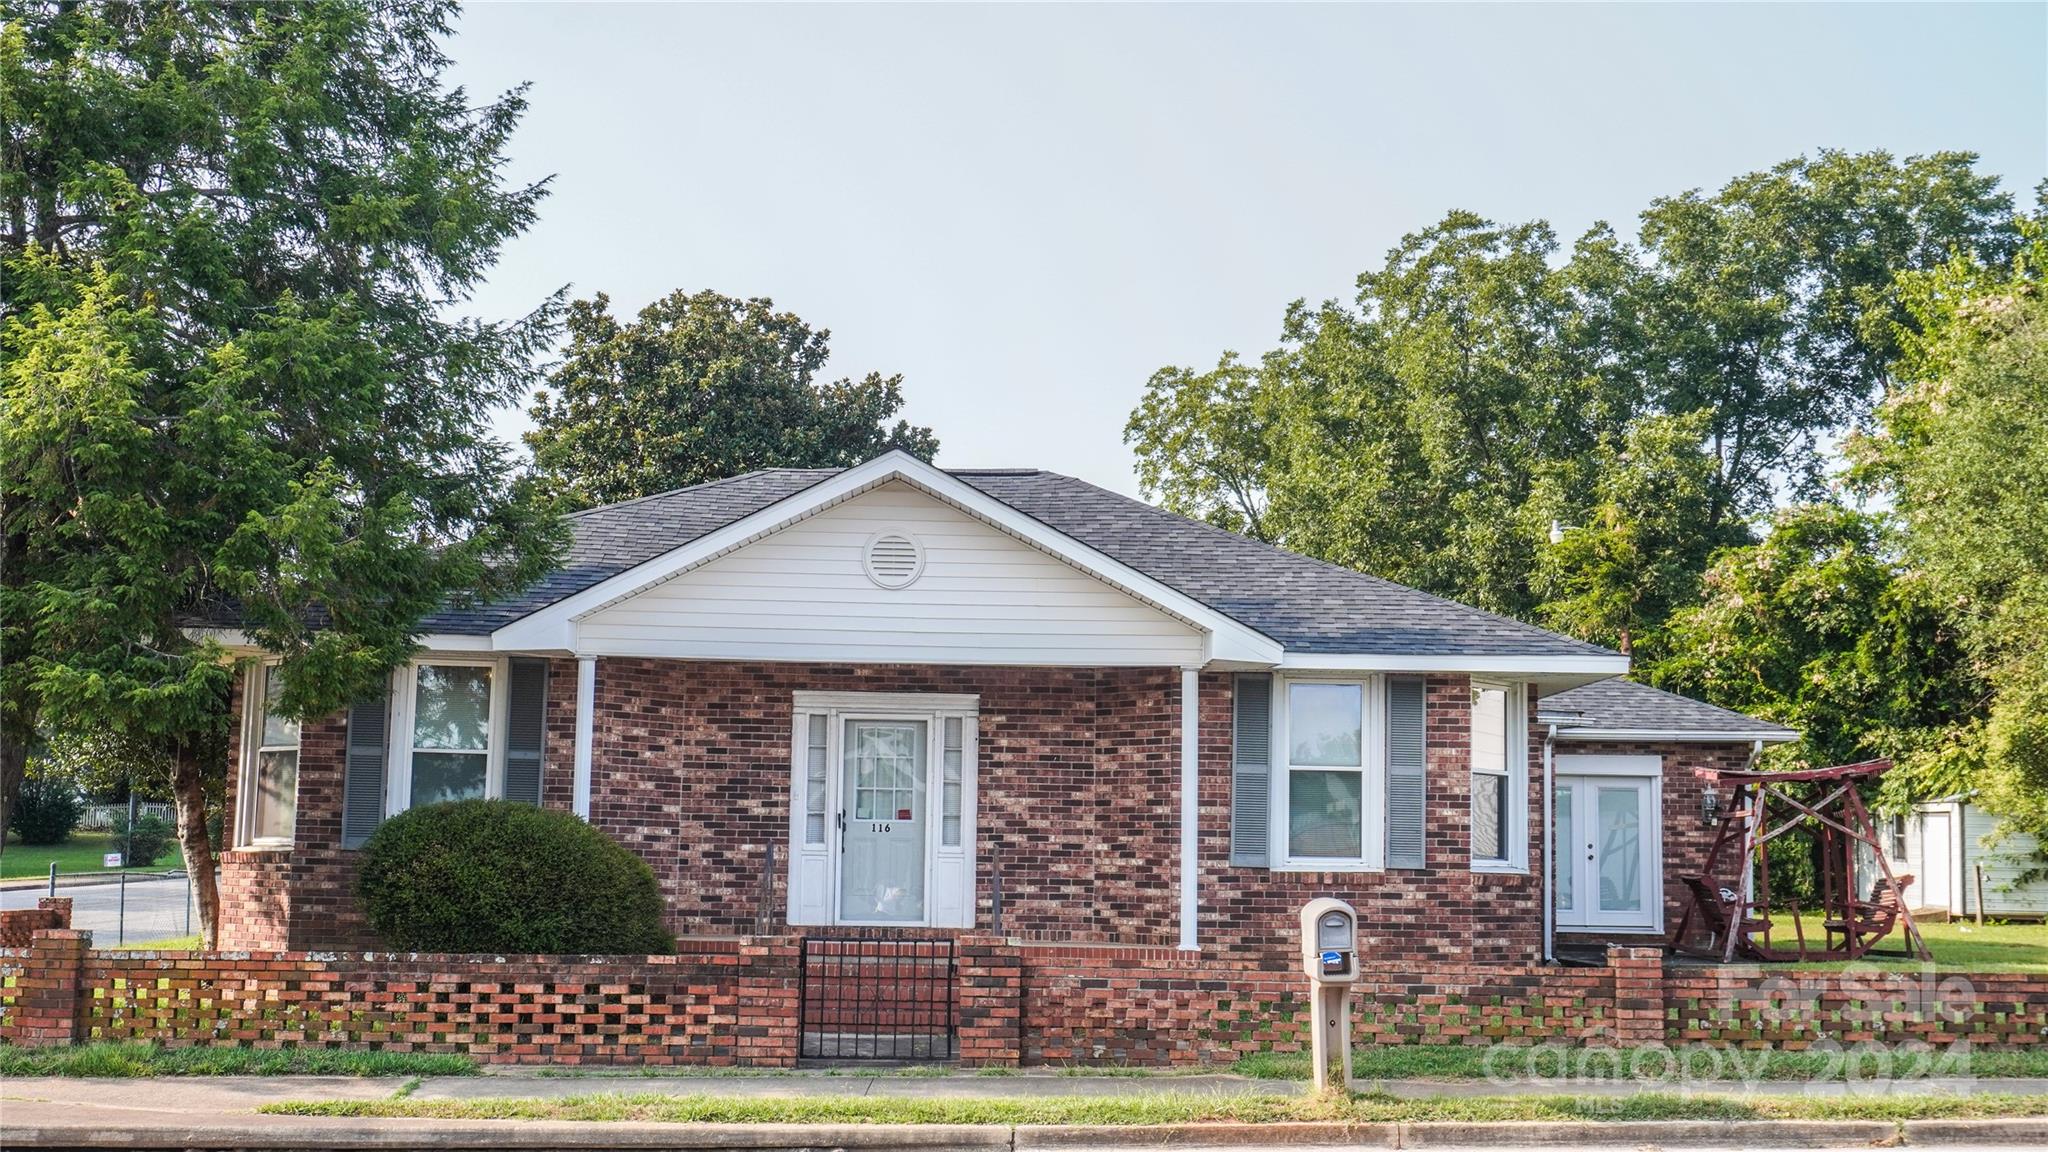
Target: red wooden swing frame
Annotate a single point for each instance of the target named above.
(1735, 912)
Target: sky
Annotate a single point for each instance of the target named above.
(1026, 211)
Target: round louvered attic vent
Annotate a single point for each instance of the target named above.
(893, 559)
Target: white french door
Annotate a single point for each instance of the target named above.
(1609, 867)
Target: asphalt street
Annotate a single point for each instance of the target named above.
(155, 908)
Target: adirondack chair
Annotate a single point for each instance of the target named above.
(1714, 913)
(1870, 921)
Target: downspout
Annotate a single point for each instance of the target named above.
(1756, 751)
(1549, 835)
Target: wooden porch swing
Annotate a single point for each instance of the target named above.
(1729, 912)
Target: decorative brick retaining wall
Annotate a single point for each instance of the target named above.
(735, 1002)
(718, 1002)
(1755, 1006)
(1157, 1006)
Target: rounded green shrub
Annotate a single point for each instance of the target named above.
(47, 810)
(153, 836)
(500, 876)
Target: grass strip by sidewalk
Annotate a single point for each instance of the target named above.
(129, 1060)
(1171, 1108)
(1459, 1062)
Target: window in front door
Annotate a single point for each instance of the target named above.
(882, 870)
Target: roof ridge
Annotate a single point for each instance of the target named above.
(1329, 564)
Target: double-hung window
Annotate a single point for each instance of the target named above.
(1499, 774)
(448, 734)
(1325, 784)
(270, 779)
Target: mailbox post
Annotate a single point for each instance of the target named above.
(1329, 955)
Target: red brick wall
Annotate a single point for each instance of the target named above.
(1685, 840)
(1752, 1005)
(728, 1002)
(1444, 912)
(1078, 772)
(1158, 1006)
(302, 896)
(736, 1002)
(1079, 786)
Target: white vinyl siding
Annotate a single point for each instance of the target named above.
(803, 593)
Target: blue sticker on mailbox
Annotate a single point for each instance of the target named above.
(1333, 957)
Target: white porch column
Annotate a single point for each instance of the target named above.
(586, 690)
(1190, 804)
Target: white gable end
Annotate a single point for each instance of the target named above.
(822, 589)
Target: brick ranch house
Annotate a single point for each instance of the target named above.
(885, 694)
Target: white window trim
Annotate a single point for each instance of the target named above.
(931, 708)
(398, 786)
(1515, 719)
(1373, 773)
(255, 703)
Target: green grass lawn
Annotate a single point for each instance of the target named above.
(1460, 1062)
(1173, 1108)
(128, 1060)
(1957, 945)
(80, 855)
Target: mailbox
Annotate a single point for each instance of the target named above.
(1329, 941)
(1329, 955)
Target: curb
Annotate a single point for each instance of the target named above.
(80, 880)
(1304, 1133)
(2030, 1131)
(1592, 1133)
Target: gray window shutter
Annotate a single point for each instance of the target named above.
(1406, 772)
(1251, 769)
(362, 785)
(526, 732)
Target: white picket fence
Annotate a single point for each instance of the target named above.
(100, 817)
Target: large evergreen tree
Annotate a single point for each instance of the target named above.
(700, 387)
(235, 240)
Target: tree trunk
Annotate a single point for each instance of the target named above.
(188, 788)
(13, 765)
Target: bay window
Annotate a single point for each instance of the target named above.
(270, 776)
(1499, 777)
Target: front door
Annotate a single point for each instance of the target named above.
(1935, 849)
(882, 822)
(1607, 868)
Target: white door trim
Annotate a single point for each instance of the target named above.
(1594, 770)
(951, 872)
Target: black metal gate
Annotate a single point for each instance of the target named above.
(877, 996)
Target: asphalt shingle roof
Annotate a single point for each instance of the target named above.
(1308, 605)
(1624, 705)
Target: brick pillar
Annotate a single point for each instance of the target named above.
(768, 1003)
(49, 991)
(1638, 995)
(991, 1003)
(60, 905)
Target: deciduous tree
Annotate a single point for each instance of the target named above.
(700, 387)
